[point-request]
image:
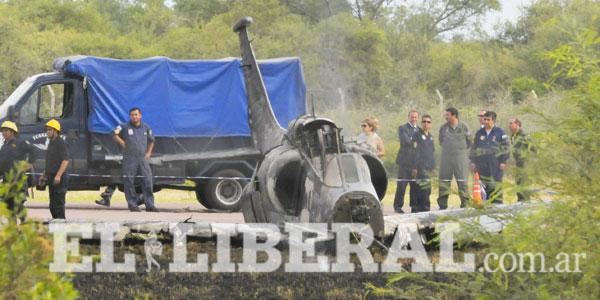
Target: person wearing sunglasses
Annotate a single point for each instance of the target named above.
(423, 163)
(369, 138)
(489, 155)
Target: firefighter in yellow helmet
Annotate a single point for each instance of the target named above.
(14, 150)
(55, 174)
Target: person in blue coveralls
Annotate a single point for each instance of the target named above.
(137, 142)
(489, 154)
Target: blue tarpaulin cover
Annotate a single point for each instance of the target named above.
(186, 98)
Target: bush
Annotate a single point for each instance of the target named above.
(521, 86)
(25, 253)
(568, 152)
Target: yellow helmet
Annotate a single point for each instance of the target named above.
(54, 125)
(10, 125)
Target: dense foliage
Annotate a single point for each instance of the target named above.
(26, 251)
(568, 150)
(382, 57)
(375, 52)
(375, 57)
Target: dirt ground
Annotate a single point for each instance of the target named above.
(164, 285)
(179, 206)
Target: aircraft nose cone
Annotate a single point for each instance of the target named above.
(356, 207)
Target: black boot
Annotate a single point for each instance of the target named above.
(103, 202)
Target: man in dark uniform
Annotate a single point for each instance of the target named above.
(488, 156)
(137, 141)
(55, 175)
(107, 195)
(14, 150)
(109, 192)
(455, 140)
(423, 163)
(405, 134)
(520, 147)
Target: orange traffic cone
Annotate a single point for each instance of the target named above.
(477, 190)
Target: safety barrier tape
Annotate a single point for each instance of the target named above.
(139, 176)
(428, 179)
(222, 178)
(230, 178)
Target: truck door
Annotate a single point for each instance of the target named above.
(56, 97)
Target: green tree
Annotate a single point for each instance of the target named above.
(193, 13)
(433, 18)
(276, 32)
(148, 19)
(371, 9)
(25, 50)
(567, 155)
(352, 65)
(25, 253)
(545, 24)
(469, 72)
(317, 10)
(69, 14)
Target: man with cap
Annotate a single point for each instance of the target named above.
(14, 150)
(55, 174)
(137, 141)
(488, 156)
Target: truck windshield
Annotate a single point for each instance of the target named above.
(16, 96)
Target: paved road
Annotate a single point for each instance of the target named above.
(171, 212)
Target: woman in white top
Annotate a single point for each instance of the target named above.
(369, 138)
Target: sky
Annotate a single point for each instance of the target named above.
(511, 10)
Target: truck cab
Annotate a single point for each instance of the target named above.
(51, 96)
(95, 159)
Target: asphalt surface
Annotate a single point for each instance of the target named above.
(171, 212)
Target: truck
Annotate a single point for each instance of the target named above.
(197, 109)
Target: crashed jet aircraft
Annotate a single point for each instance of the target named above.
(306, 173)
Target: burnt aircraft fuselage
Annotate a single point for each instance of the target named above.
(307, 173)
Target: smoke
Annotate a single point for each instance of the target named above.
(332, 78)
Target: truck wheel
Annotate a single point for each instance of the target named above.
(223, 194)
(201, 186)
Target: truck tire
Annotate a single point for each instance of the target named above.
(201, 186)
(222, 194)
